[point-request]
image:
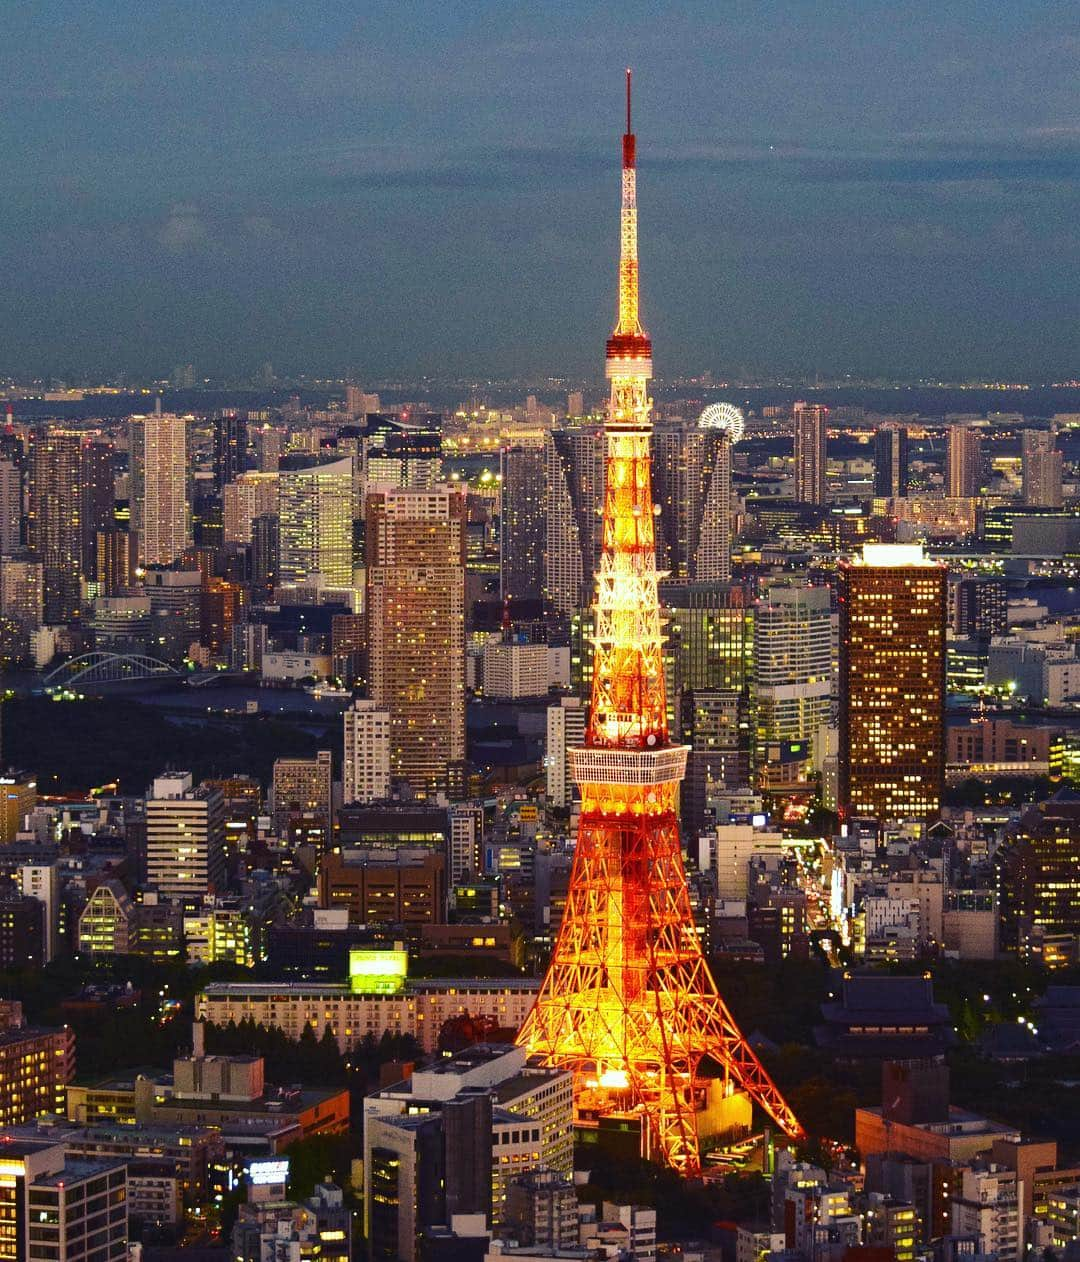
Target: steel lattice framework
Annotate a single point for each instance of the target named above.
(628, 1002)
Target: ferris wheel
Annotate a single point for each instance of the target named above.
(726, 417)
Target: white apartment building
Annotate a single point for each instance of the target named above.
(366, 764)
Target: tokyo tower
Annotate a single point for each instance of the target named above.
(628, 1002)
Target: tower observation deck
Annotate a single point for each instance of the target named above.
(628, 1003)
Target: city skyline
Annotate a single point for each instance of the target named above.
(309, 199)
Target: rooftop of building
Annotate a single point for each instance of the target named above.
(27, 1034)
(76, 1169)
(961, 1122)
(125, 1081)
(295, 1102)
(13, 1147)
(57, 1130)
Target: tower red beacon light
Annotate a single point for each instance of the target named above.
(628, 1003)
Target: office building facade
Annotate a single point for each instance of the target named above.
(892, 684)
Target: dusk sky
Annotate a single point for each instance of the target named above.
(396, 188)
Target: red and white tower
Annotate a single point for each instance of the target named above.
(628, 1002)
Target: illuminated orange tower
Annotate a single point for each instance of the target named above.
(628, 1002)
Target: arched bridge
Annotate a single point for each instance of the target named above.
(108, 668)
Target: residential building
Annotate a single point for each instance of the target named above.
(54, 530)
(415, 543)
(301, 798)
(963, 461)
(365, 774)
(248, 496)
(810, 453)
(565, 731)
(1041, 469)
(160, 507)
(35, 1067)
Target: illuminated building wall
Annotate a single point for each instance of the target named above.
(963, 462)
(794, 659)
(22, 590)
(251, 495)
(18, 797)
(160, 511)
(185, 838)
(35, 1067)
(365, 771)
(419, 1010)
(1042, 468)
(416, 628)
(301, 787)
(315, 521)
(892, 684)
(810, 453)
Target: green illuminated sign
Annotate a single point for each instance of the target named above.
(377, 972)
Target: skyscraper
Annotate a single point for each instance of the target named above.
(265, 555)
(246, 497)
(963, 461)
(315, 521)
(22, 590)
(892, 684)
(522, 526)
(712, 527)
(11, 505)
(574, 459)
(692, 480)
(891, 462)
(99, 496)
(54, 519)
(793, 663)
(810, 453)
(416, 628)
(160, 510)
(230, 447)
(1041, 469)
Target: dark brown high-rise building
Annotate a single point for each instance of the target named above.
(54, 519)
(522, 521)
(116, 557)
(1038, 880)
(892, 684)
(810, 453)
(99, 496)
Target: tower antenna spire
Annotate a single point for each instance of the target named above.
(629, 129)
